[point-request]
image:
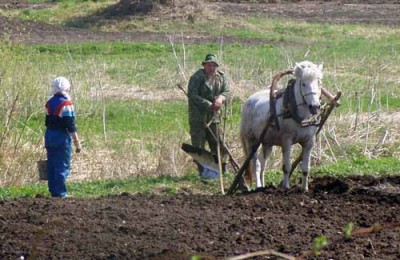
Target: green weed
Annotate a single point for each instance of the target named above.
(347, 230)
(319, 243)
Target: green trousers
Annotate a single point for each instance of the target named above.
(200, 134)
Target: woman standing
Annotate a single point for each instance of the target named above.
(60, 131)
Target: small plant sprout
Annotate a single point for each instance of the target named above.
(377, 227)
(347, 230)
(319, 243)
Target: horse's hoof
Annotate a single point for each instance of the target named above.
(244, 190)
(259, 189)
(284, 187)
(304, 188)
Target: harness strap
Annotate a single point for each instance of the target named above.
(272, 99)
(289, 103)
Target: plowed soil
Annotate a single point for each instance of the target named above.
(215, 227)
(176, 227)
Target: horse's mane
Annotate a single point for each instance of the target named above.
(307, 70)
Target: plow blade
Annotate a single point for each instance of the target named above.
(208, 161)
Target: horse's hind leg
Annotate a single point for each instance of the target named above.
(286, 166)
(262, 157)
(252, 171)
(247, 178)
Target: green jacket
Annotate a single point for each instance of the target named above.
(202, 93)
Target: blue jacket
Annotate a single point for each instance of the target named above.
(60, 114)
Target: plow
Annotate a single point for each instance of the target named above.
(212, 163)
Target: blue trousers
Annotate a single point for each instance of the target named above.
(59, 148)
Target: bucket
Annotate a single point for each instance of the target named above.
(209, 173)
(42, 168)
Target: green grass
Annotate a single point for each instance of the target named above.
(361, 166)
(170, 185)
(137, 50)
(60, 11)
(166, 185)
(152, 65)
(127, 119)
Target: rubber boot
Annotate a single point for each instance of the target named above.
(224, 168)
(200, 168)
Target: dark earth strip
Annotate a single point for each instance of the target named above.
(339, 12)
(175, 227)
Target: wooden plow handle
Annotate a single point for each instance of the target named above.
(334, 103)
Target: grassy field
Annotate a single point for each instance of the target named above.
(133, 117)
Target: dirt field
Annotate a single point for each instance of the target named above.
(216, 227)
(164, 227)
(335, 11)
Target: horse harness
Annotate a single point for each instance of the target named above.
(290, 108)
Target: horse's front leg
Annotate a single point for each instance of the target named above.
(286, 165)
(305, 164)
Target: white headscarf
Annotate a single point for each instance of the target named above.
(60, 85)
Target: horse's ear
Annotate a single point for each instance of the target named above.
(296, 69)
(300, 65)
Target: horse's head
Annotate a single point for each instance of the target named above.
(308, 77)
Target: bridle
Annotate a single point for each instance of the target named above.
(287, 105)
(312, 93)
(290, 106)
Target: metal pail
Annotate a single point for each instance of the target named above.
(42, 168)
(209, 173)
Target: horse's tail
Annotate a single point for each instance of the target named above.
(249, 172)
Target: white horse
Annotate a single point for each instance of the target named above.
(286, 129)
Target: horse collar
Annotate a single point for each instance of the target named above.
(289, 103)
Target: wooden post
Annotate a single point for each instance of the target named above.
(221, 179)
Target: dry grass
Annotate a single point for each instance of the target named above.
(377, 134)
(136, 160)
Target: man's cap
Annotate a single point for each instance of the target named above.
(210, 58)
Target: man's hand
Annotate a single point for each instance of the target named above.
(218, 102)
(78, 147)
